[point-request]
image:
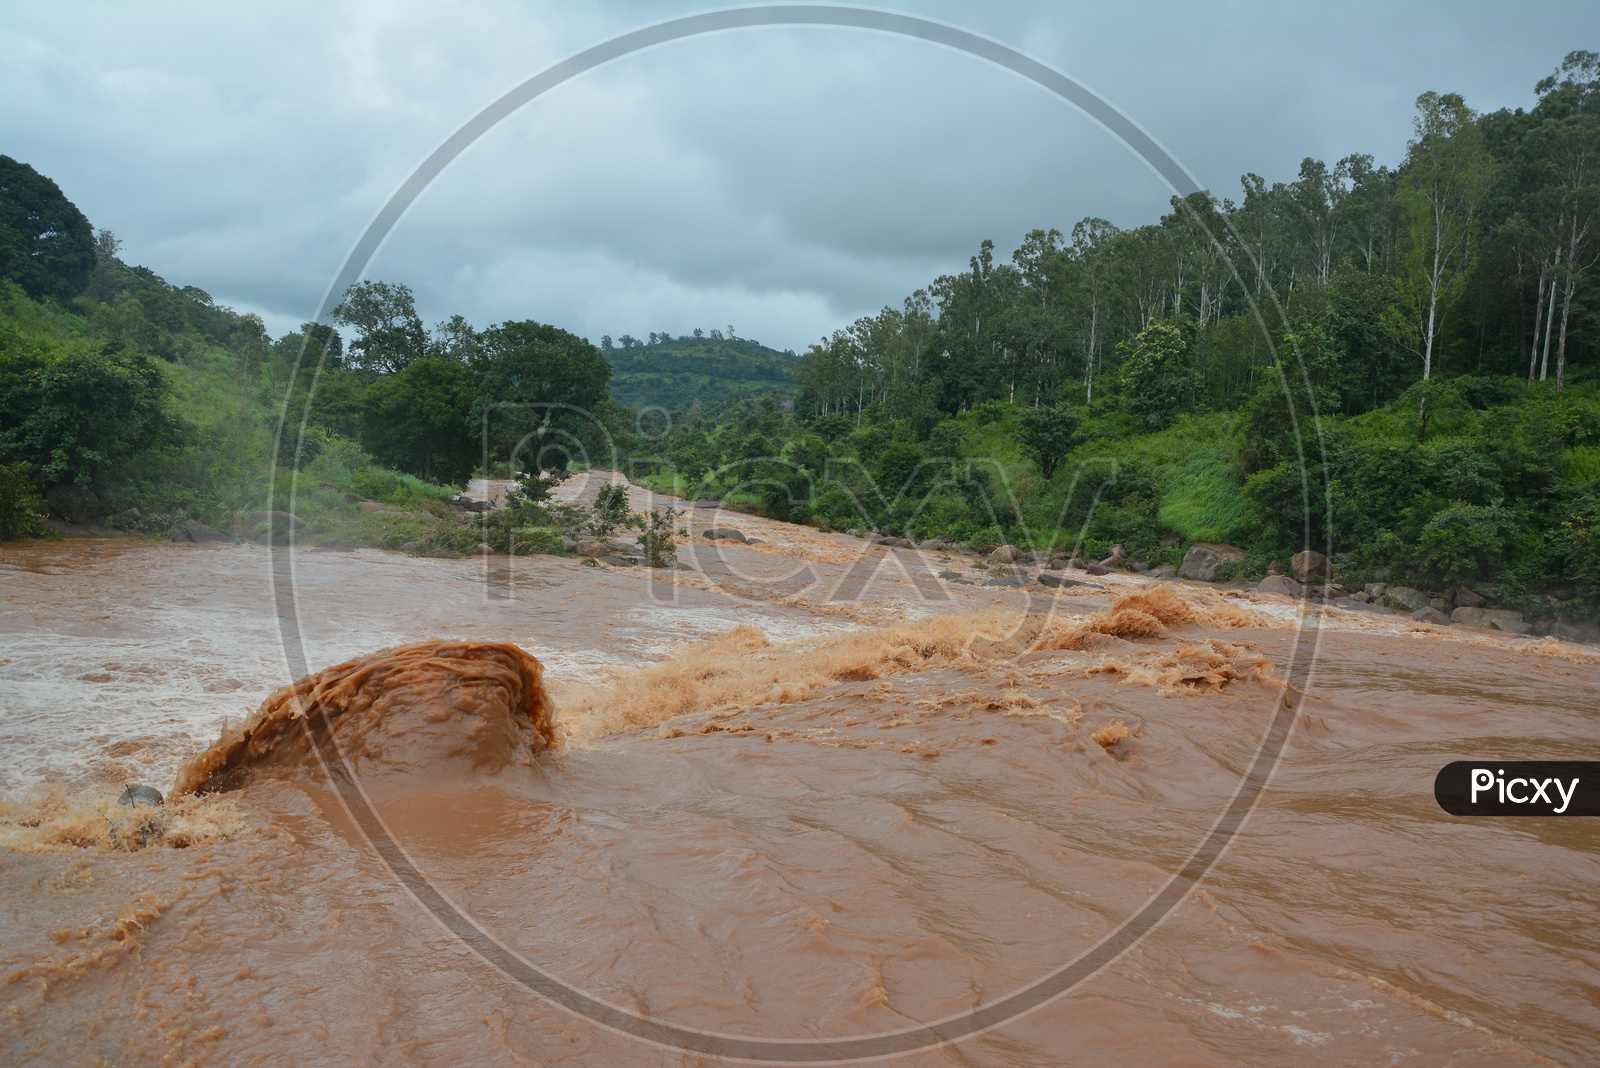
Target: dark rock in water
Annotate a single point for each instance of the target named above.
(1281, 584)
(191, 530)
(619, 561)
(1006, 580)
(723, 534)
(1431, 615)
(1097, 569)
(1569, 631)
(1062, 582)
(141, 795)
(705, 504)
(278, 519)
(1362, 606)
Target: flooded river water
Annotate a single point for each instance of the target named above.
(733, 800)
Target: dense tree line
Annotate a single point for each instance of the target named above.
(1474, 256)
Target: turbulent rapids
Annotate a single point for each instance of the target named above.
(418, 708)
(778, 818)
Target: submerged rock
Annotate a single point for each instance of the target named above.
(1280, 584)
(141, 795)
(723, 534)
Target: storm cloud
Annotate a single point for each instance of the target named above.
(782, 181)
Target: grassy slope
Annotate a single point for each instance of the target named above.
(217, 468)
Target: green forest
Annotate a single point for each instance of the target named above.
(703, 367)
(1393, 364)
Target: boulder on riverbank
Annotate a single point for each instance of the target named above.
(723, 534)
(1205, 560)
(1280, 584)
(1506, 619)
(1432, 615)
(1310, 566)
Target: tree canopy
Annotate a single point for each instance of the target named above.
(46, 244)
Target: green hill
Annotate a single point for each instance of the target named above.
(675, 372)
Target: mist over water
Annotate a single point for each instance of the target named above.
(777, 818)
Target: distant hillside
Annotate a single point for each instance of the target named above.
(674, 372)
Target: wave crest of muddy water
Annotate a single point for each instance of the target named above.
(423, 708)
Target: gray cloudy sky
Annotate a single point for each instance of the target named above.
(783, 181)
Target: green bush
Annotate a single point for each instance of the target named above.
(544, 540)
(1466, 541)
(22, 510)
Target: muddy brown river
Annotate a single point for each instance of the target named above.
(792, 793)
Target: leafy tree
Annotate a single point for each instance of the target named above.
(1158, 375)
(611, 511)
(417, 420)
(454, 339)
(78, 411)
(389, 331)
(660, 536)
(532, 362)
(1049, 434)
(1446, 177)
(46, 245)
(539, 386)
(1466, 541)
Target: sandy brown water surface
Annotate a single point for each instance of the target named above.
(765, 813)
